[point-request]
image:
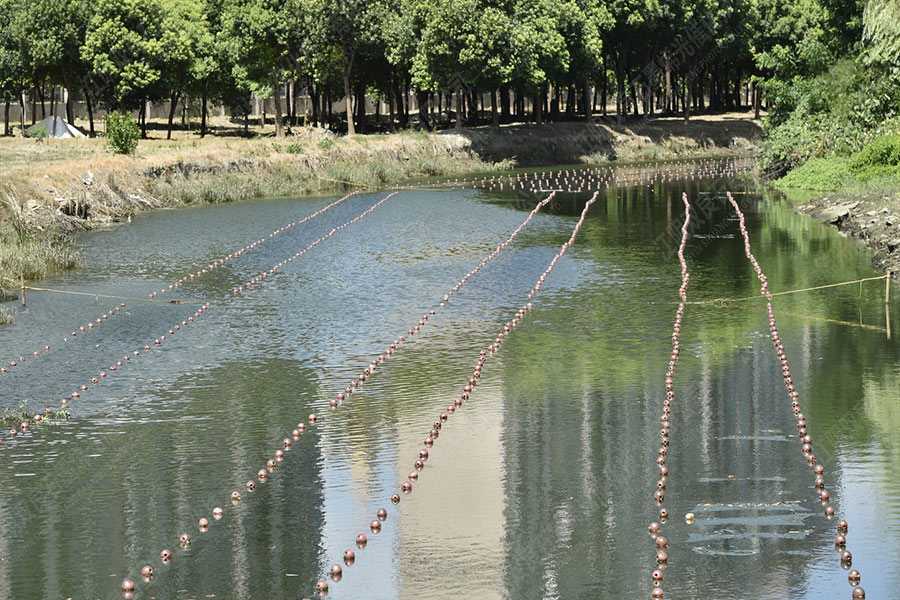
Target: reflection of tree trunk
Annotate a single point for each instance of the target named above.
(173, 104)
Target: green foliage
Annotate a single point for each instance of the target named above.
(39, 133)
(821, 174)
(295, 149)
(881, 21)
(6, 317)
(835, 113)
(326, 144)
(880, 158)
(125, 50)
(122, 133)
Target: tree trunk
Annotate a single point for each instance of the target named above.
(43, 102)
(173, 104)
(570, 101)
(688, 86)
(276, 96)
(504, 104)
(6, 119)
(314, 96)
(391, 104)
(756, 97)
(34, 106)
(538, 110)
(422, 97)
(620, 86)
(203, 99)
(361, 106)
(459, 116)
(634, 101)
(588, 108)
(22, 114)
(347, 64)
(52, 100)
(143, 118)
(604, 90)
(90, 109)
(495, 115)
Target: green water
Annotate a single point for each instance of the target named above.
(540, 487)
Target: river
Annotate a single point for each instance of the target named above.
(539, 487)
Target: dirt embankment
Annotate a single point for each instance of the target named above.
(873, 220)
(606, 139)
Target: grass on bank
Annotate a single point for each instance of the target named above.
(876, 167)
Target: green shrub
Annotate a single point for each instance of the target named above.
(819, 174)
(39, 133)
(881, 157)
(295, 149)
(122, 133)
(326, 144)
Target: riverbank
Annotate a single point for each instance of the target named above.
(873, 218)
(54, 189)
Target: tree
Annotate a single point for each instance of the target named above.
(189, 56)
(349, 26)
(125, 49)
(12, 74)
(260, 40)
(881, 31)
(52, 33)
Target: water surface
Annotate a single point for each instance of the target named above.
(540, 487)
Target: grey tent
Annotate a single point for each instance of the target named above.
(55, 127)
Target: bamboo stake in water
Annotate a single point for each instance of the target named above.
(887, 304)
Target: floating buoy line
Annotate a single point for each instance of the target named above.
(176, 284)
(103, 374)
(286, 444)
(406, 487)
(586, 180)
(822, 494)
(563, 180)
(247, 248)
(275, 268)
(662, 556)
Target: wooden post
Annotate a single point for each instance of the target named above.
(887, 303)
(22, 281)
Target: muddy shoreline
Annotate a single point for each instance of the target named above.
(873, 220)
